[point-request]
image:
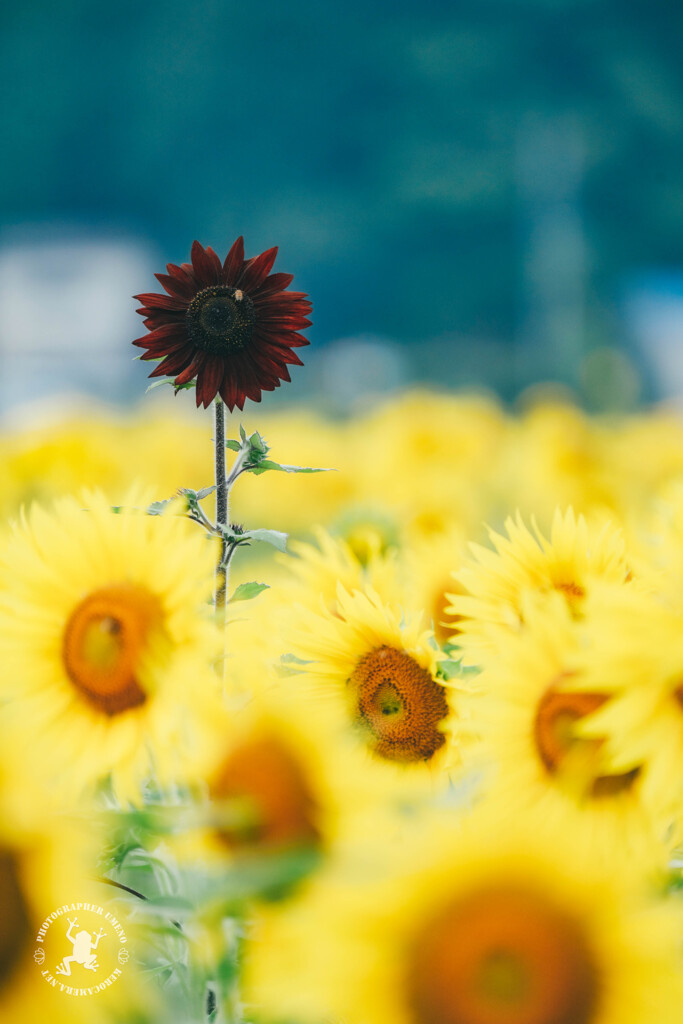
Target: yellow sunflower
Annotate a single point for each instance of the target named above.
(493, 921)
(283, 778)
(381, 667)
(48, 880)
(569, 563)
(526, 718)
(318, 568)
(104, 640)
(634, 652)
(427, 579)
(665, 534)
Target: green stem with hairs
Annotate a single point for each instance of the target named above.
(222, 510)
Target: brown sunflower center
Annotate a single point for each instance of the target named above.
(399, 704)
(562, 751)
(15, 927)
(220, 320)
(104, 641)
(280, 809)
(502, 956)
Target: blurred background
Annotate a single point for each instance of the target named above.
(485, 194)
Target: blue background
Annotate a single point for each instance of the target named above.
(461, 181)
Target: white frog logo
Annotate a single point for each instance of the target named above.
(84, 948)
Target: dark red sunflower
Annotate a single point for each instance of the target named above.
(232, 326)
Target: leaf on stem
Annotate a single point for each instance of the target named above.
(169, 380)
(234, 538)
(274, 537)
(267, 464)
(247, 591)
(157, 508)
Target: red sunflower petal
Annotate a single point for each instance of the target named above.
(281, 339)
(176, 288)
(193, 368)
(217, 265)
(273, 284)
(299, 296)
(173, 363)
(256, 270)
(231, 393)
(209, 380)
(159, 317)
(183, 273)
(206, 264)
(282, 299)
(268, 311)
(164, 349)
(269, 363)
(163, 333)
(286, 355)
(281, 324)
(234, 262)
(154, 301)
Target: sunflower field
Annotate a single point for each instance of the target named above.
(431, 772)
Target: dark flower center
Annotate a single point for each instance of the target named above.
(104, 643)
(14, 923)
(562, 751)
(399, 705)
(503, 955)
(220, 320)
(266, 774)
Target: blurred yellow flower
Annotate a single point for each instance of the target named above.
(474, 923)
(634, 652)
(495, 581)
(525, 727)
(106, 650)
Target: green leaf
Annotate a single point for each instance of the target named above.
(266, 464)
(274, 537)
(290, 665)
(234, 446)
(158, 384)
(157, 507)
(292, 659)
(232, 536)
(247, 591)
(257, 444)
(452, 668)
(205, 492)
(243, 433)
(169, 380)
(166, 906)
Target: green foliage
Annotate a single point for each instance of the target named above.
(247, 591)
(274, 537)
(253, 452)
(453, 668)
(239, 537)
(169, 380)
(157, 508)
(267, 464)
(291, 665)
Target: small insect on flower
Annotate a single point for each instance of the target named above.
(230, 326)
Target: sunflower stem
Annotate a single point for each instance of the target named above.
(222, 507)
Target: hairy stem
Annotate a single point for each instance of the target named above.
(222, 504)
